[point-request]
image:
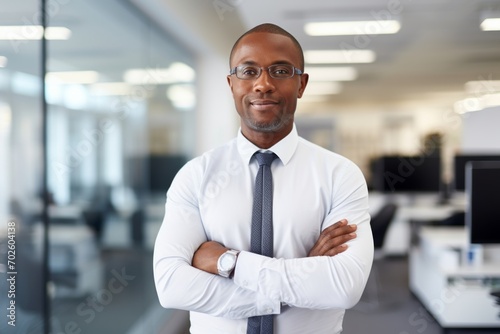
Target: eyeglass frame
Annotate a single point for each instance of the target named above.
(296, 71)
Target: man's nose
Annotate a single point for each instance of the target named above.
(264, 83)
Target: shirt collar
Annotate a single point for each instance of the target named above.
(284, 149)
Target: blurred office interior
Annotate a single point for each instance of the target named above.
(99, 110)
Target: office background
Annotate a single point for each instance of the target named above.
(133, 89)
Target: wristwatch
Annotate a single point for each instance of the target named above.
(227, 262)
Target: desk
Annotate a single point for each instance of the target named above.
(457, 295)
(398, 239)
(73, 259)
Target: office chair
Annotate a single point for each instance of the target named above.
(455, 219)
(374, 296)
(380, 224)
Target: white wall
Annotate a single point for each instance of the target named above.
(481, 131)
(217, 119)
(208, 29)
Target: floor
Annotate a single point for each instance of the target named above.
(126, 294)
(387, 306)
(126, 304)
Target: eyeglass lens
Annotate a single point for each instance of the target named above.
(279, 71)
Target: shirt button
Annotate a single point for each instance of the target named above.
(269, 310)
(245, 283)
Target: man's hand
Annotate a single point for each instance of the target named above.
(333, 238)
(205, 258)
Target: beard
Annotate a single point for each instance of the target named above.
(276, 124)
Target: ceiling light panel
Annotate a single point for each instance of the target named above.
(345, 28)
(339, 56)
(490, 24)
(176, 73)
(73, 77)
(323, 88)
(25, 33)
(182, 96)
(331, 73)
(57, 33)
(111, 89)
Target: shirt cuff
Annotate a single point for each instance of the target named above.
(248, 266)
(246, 275)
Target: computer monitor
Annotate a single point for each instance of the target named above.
(411, 174)
(460, 160)
(482, 187)
(154, 173)
(162, 170)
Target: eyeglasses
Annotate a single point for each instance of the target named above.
(252, 72)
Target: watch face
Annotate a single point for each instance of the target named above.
(227, 261)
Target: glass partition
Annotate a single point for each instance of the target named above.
(121, 101)
(22, 299)
(120, 122)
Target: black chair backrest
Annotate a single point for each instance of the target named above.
(380, 223)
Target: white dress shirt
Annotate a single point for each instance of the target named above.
(211, 199)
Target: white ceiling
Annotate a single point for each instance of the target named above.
(438, 49)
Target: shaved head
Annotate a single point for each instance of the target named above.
(271, 29)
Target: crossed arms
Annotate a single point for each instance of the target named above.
(332, 241)
(332, 274)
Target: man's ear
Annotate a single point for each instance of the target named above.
(230, 82)
(304, 78)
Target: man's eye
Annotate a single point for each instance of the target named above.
(249, 71)
(281, 70)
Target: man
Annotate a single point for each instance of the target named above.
(319, 263)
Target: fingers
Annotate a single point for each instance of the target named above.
(339, 227)
(337, 250)
(332, 239)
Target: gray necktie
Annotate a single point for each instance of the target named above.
(261, 241)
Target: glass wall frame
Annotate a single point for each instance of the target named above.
(23, 297)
